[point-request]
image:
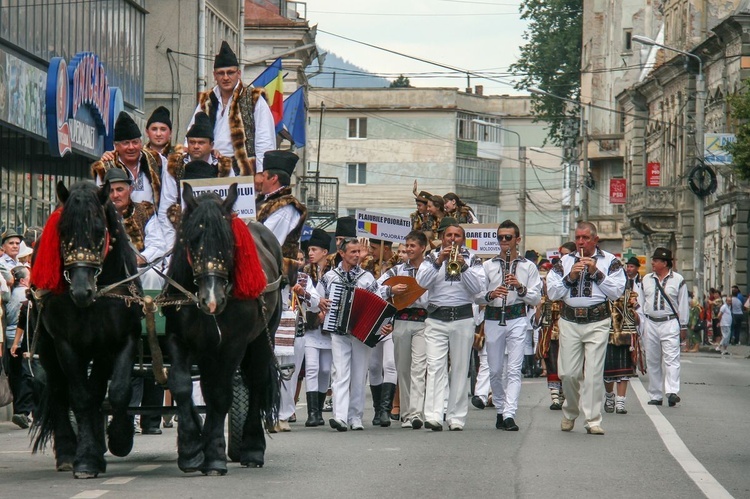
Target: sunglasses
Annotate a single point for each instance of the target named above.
(505, 237)
(222, 74)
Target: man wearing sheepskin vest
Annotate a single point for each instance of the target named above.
(278, 209)
(240, 117)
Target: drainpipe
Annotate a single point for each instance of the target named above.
(201, 46)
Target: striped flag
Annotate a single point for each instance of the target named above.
(273, 81)
(369, 227)
(472, 244)
(294, 117)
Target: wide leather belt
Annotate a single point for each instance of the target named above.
(511, 312)
(663, 318)
(448, 314)
(585, 315)
(412, 314)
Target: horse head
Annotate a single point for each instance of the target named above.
(84, 237)
(206, 234)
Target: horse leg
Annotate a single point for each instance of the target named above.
(89, 460)
(189, 444)
(98, 380)
(216, 385)
(120, 430)
(261, 377)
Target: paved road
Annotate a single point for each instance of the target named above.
(631, 460)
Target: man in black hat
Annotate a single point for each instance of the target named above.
(241, 120)
(632, 271)
(664, 312)
(279, 210)
(159, 132)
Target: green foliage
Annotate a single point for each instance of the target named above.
(401, 82)
(551, 61)
(740, 150)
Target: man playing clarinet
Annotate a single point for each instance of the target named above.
(514, 287)
(351, 357)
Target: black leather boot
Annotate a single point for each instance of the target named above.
(312, 409)
(319, 414)
(376, 391)
(386, 399)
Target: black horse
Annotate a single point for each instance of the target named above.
(222, 334)
(84, 339)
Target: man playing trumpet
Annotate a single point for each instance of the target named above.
(513, 287)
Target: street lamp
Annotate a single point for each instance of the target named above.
(700, 99)
(521, 179)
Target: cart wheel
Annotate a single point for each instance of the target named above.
(237, 415)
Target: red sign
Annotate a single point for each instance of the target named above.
(618, 190)
(653, 175)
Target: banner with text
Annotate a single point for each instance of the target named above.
(245, 204)
(618, 188)
(482, 239)
(653, 174)
(381, 226)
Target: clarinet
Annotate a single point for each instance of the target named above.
(506, 268)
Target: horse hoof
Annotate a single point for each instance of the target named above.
(252, 459)
(85, 474)
(214, 468)
(251, 465)
(64, 466)
(190, 465)
(215, 472)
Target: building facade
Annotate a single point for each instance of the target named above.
(377, 142)
(67, 68)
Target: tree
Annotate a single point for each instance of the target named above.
(401, 82)
(740, 149)
(551, 61)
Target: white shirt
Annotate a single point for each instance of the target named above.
(726, 316)
(153, 240)
(607, 284)
(652, 302)
(8, 262)
(283, 221)
(402, 269)
(265, 129)
(446, 291)
(526, 273)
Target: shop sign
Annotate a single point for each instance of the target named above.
(653, 174)
(618, 189)
(22, 88)
(81, 106)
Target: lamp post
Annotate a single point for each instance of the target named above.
(698, 207)
(521, 180)
(573, 188)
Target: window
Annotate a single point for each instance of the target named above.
(357, 128)
(357, 173)
(627, 40)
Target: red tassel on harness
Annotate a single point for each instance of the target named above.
(47, 272)
(249, 278)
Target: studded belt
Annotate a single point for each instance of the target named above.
(585, 315)
(449, 314)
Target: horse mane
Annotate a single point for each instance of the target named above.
(206, 225)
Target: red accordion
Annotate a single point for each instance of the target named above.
(357, 312)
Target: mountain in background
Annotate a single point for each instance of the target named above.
(344, 73)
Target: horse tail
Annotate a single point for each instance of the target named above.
(42, 430)
(266, 380)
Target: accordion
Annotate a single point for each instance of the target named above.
(358, 312)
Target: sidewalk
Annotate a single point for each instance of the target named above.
(740, 351)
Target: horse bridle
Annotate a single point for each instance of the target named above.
(209, 267)
(85, 257)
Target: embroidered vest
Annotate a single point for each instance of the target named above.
(135, 223)
(276, 202)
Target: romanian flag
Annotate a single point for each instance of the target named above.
(273, 81)
(295, 115)
(369, 227)
(472, 244)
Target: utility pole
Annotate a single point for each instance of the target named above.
(585, 168)
(522, 195)
(317, 168)
(700, 228)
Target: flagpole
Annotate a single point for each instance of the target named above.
(320, 135)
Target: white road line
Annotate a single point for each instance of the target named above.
(146, 467)
(674, 444)
(122, 480)
(90, 494)
(685, 361)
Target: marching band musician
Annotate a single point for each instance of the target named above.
(350, 356)
(408, 334)
(548, 314)
(449, 328)
(514, 287)
(317, 343)
(584, 281)
(664, 311)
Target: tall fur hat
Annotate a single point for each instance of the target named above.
(226, 57)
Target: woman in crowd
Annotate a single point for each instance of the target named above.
(459, 210)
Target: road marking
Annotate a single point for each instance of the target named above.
(685, 361)
(674, 444)
(146, 467)
(90, 494)
(119, 480)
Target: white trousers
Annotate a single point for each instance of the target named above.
(350, 360)
(662, 345)
(581, 359)
(383, 362)
(317, 368)
(482, 386)
(513, 337)
(411, 366)
(288, 388)
(442, 339)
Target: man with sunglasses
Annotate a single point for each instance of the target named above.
(514, 287)
(584, 281)
(242, 122)
(449, 327)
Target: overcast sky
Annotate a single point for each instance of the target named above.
(477, 35)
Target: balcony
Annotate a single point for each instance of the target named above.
(321, 196)
(652, 200)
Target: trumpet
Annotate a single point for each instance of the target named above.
(452, 267)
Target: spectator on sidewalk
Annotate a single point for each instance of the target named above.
(725, 322)
(738, 316)
(696, 325)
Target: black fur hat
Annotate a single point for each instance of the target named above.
(201, 127)
(125, 128)
(226, 57)
(160, 115)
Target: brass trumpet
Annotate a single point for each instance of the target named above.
(452, 267)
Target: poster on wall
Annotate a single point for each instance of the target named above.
(653, 174)
(618, 188)
(22, 94)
